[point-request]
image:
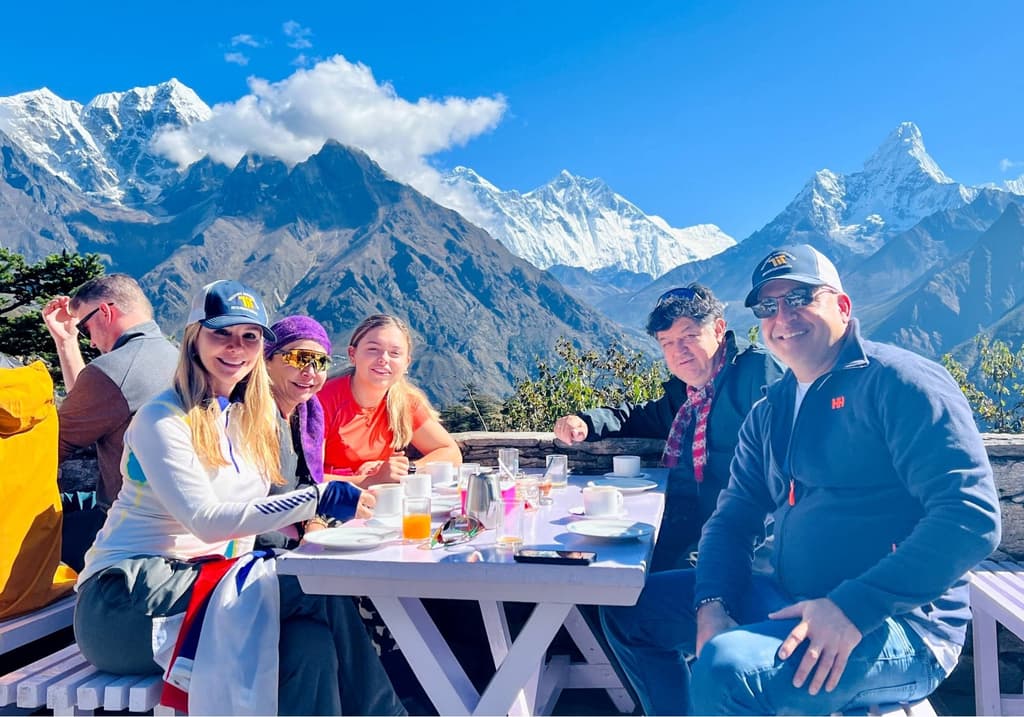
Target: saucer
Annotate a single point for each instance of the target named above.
(613, 474)
(624, 484)
(362, 538)
(610, 528)
(581, 511)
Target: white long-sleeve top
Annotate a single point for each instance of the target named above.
(170, 504)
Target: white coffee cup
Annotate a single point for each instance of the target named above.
(417, 485)
(626, 465)
(441, 472)
(602, 501)
(389, 499)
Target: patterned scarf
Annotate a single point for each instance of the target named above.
(698, 403)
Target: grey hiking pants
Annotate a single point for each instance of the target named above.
(327, 664)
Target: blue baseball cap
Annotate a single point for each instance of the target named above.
(802, 263)
(229, 303)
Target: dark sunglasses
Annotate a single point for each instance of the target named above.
(455, 530)
(680, 292)
(81, 325)
(795, 299)
(301, 358)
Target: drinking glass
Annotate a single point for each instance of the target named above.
(544, 490)
(510, 526)
(557, 469)
(508, 464)
(416, 519)
(528, 489)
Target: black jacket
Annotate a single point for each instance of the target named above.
(748, 368)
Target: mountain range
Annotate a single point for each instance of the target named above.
(578, 222)
(928, 261)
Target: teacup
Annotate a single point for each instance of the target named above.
(389, 499)
(441, 472)
(602, 501)
(626, 465)
(417, 485)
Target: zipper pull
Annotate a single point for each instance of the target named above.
(792, 492)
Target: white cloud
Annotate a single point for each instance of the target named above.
(1005, 165)
(245, 39)
(297, 34)
(340, 100)
(236, 58)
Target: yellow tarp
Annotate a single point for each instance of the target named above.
(31, 574)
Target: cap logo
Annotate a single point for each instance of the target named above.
(776, 261)
(244, 301)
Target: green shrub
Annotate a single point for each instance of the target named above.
(580, 380)
(996, 395)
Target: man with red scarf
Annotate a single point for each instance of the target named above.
(716, 378)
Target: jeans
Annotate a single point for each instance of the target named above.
(739, 671)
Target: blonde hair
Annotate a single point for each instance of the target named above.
(256, 415)
(402, 395)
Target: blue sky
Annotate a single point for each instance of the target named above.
(696, 111)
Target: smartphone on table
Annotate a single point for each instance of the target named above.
(555, 557)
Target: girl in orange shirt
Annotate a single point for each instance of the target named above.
(372, 413)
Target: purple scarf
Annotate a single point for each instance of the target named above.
(311, 414)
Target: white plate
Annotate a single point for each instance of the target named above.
(446, 488)
(610, 528)
(579, 510)
(612, 474)
(356, 538)
(624, 484)
(444, 504)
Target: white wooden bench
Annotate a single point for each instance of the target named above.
(997, 596)
(21, 630)
(67, 684)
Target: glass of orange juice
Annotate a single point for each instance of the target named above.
(416, 519)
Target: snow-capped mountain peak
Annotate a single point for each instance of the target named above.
(903, 152)
(581, 222)
(103, 147)
(899, 185)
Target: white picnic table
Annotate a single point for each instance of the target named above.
(396, 576)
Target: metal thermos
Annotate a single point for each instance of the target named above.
(483, 499)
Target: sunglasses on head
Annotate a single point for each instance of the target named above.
(680, 292)
(81, 325)
(301, 358)
(455, 530)
(799, 297)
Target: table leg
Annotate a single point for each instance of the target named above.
(499, 637)
(429, 656)
(597, 666)
(524, 657)
(986, 658)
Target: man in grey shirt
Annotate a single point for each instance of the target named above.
(136, 363)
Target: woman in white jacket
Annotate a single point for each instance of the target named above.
(198, 464)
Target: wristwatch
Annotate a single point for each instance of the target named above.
(328, 520)
(709, 600)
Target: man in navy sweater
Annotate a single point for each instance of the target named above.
(868, 458)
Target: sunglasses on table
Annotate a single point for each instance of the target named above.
(301, 358)
(795, 299)
(456, 530)
(81, 327)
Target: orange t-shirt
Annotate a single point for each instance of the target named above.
(353, 436)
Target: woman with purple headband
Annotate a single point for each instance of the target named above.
(297, 362)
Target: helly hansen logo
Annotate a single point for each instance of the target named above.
(838, 402)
